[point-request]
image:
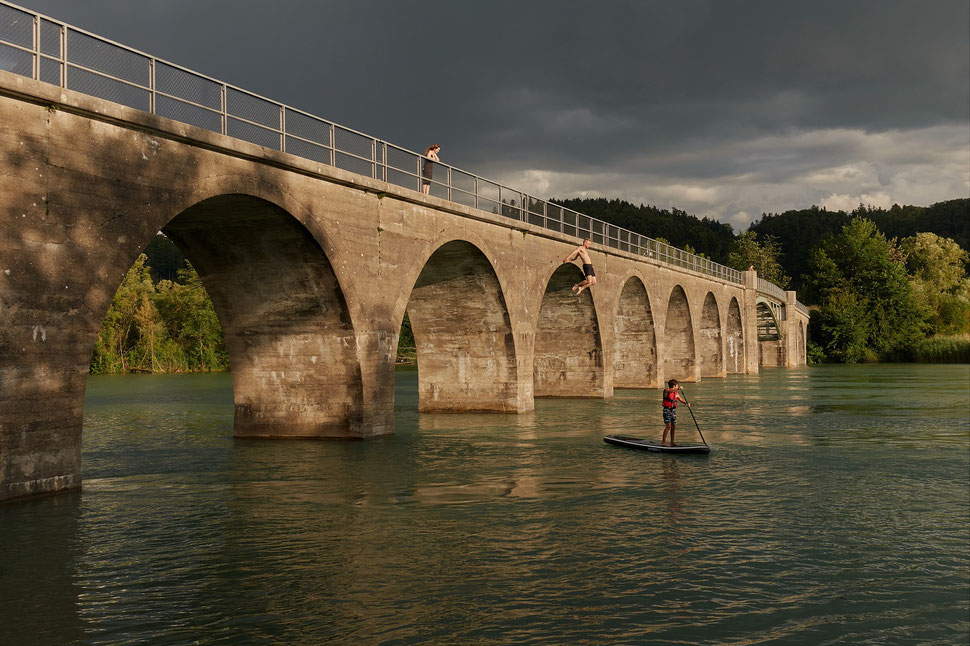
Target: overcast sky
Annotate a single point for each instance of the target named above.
(722, 108)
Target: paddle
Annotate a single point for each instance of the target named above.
(692, 416)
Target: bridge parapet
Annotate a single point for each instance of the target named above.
(54, 52)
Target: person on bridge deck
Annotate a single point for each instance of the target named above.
(590, 276)
(671, 397)
(427, 167)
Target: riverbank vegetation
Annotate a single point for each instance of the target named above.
(160, 326)
(882, 284)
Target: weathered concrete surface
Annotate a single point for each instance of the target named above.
(635, 345)
(311, 270)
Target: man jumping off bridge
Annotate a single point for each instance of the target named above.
(582, 253)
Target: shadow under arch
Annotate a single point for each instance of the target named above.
(679, 358)
(568, 348)
(635, 345)
(291, 342)
(710, 353)
(734, 341)
(462, 334)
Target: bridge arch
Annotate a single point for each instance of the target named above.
(568, 356)
(768, 328)
(710, 352)
(734, 340)
(284, 317)
(678, 355)
(635, 339)
(462, 333)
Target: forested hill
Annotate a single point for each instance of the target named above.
(798, 232)
(678, 228)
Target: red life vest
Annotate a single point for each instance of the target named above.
(670, 398)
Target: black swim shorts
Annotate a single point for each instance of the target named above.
(588, 270)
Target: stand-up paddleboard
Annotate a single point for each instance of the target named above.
(653, 445)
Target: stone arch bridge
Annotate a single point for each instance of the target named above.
(311, 269)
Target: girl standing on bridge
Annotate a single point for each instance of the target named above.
(427, 168)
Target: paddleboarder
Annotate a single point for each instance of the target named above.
(589, 275)
(670, 398)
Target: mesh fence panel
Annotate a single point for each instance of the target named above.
(402, 179)
(511, 203)
(402, 160)
(462, 181)
(50, 38)
(253, 134)
(352, 143)
(439, 190)
(50, 71)
(305, 127)
(487, 205)
(317, 153)
(16, 61)
(488, 190)
(188, 86)
(353, 164)
(188, 113)
(461, 197)
(108, 89)
(16, 27)
(536, 210)
(252, 108)
(102, 56)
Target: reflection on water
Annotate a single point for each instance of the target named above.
(833, 509)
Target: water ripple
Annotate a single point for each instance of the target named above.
(833, 510)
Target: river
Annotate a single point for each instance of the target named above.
(833, 509)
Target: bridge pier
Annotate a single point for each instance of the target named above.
(749, 316)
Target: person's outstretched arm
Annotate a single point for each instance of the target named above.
(572, 256)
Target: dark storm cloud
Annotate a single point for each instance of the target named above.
(613, 98)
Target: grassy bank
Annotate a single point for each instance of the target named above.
(943, 349)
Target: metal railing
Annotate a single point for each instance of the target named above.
(47, 50)
(768, 288)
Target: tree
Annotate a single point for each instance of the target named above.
(119, 336)
(169, 327)
(938, 269)
(867, 308)
(764, 257)
(191, 321)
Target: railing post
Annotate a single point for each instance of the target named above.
(63, 42)
(151, 85)
(35, 59)
(384, 161)
(224, 107)
(282, 129)
(373, 158)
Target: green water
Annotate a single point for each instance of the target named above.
(834, 509)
